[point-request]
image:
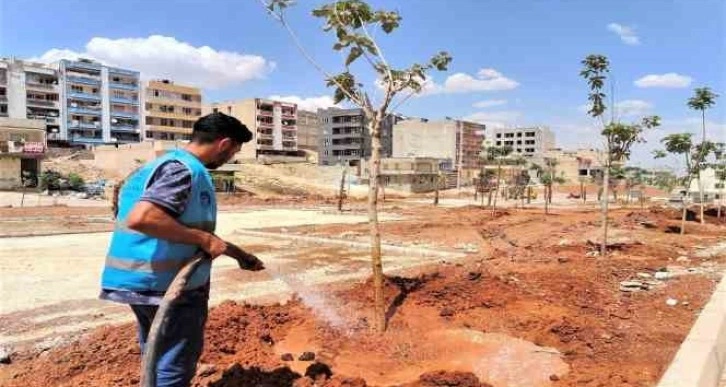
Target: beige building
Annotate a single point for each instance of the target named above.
(573, 165)
(414, 174)
(526, 141)
(447, 139)
(170, 110)
(308, 130)
(22, 147)
(119, 161)
(273, 125)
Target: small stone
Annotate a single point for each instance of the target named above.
(682, 258)
(644, 275)
(554, 378)
(307, 356)
(318, 371)
(632, 286)
(287, 357)
(5, 355)
(563, 259)
(663, 275)
(685, 303)
(671, 302)
(474, 275)
(206, 370)
(446, 312)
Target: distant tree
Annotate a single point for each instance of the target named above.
(681, 144)
(496, 155)
(548, 177)
(619, 137)
(76, 181)
(351, 22)
(702, 99)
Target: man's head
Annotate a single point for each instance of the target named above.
(217, 137)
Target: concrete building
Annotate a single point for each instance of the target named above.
(22, 147)
(273, 125)
(30, 90)
(345, 137)
(414, 174)
(456, 140)
(712, 187)
(99, 104)
(573, 165)
(120, 160)
(527, 141)
(308, 130)
(170, 110)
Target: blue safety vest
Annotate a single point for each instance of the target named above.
(138, 262)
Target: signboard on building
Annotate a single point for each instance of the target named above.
(33, 147)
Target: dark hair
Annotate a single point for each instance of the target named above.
(217, 126)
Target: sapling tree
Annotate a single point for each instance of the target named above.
(681, 144)
(618, 137)
(702, 100)
(352, 23)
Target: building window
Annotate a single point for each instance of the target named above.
(149, 134)
(77, 89)
(215, 110)
(499, 135)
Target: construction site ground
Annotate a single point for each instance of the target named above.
(474, 297)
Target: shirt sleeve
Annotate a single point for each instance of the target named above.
(170, 187)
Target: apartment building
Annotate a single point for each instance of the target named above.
(451, 139)
(572, 165)
(273, 125)
(308, 129)
(99, 104)
(170, 110)
(345, 136)
(525, 141)
(30, 90)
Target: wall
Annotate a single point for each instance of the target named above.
(123, 160)
(415, 138)
(9, 172)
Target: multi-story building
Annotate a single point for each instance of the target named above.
(345, 137)
(170, 110)
(414, 174)
(528, 141)
(30, 90)
(308, 130)
(456, 140)
(99, 104)
(273, 125)
(572, 165)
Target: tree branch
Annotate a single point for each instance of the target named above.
(279, 17)
(389, 85)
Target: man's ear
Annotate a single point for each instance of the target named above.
(225, 143)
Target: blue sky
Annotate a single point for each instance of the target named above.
(515, 62)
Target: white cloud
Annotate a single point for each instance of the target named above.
(490, 103)
(159, 56)
(626, 34)
(497, 119)
(670, 80)
(485, 80)
(310, 104)
(632, 108)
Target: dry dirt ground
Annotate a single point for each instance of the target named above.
(514, 298)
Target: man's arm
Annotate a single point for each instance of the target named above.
(150, 219)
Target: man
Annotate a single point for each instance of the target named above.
(166, 212)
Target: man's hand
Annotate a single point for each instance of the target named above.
(214, 246)
(245, 260)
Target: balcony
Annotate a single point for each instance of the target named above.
(85, 96)
(265, 113)
(3, 98)
(41, 86)
(87, 140)
(42, 102)
(84, 125)
(124, 86)
(129, 115)
(85, 111)
(127, 101)
(83, 65)
(84, 80)
(125, 128)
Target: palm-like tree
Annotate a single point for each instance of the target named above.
(703, 98)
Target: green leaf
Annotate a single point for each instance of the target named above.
(354, 54)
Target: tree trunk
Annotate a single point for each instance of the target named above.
(341, 192)
(605, 186)
(720, 203)
(529, 194)
(700, 181)
(582, 191)
(436, 193)
(379, 322)
(496, 192)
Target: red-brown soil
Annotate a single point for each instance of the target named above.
(534, 287)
